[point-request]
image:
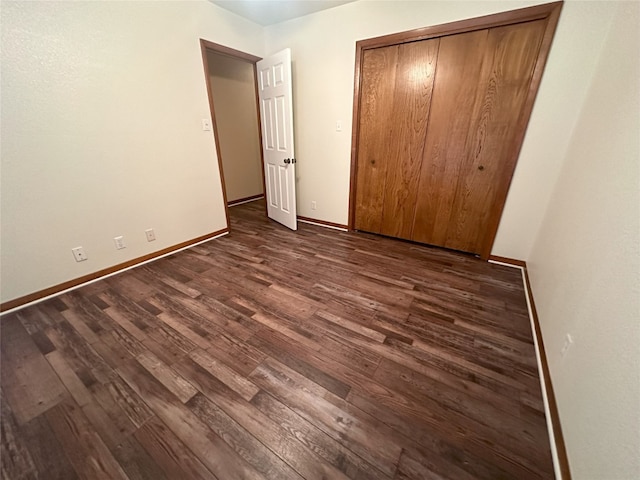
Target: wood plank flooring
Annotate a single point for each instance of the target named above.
(271, 354)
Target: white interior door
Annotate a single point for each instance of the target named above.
(276, 111)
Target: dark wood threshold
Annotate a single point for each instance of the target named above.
(245, 200)
(32, 297)
(323, 223)
(561, 449)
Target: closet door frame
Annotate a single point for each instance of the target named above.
(549, 12)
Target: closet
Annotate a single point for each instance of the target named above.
(439, 118)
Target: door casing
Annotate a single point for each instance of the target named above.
(205, 46)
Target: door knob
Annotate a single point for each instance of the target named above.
(287, 161)
(481, 167)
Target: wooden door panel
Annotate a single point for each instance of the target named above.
(481, 86)
(503, 88)
(487, 73)
(376, 105)
(411, 102)
(449, 132)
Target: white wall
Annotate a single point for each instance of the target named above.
(101, 132)
(323, 49)
(585, 267)
(233, 86)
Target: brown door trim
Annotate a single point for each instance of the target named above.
(206, 46)
(549, 11)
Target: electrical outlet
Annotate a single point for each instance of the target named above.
(119, 241)
(78, 254)
(568, 341)
(314, 205)
(151, 235)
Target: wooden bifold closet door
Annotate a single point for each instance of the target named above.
(440, 123)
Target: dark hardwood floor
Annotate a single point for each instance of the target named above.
(279, 355)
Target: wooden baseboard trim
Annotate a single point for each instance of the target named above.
(558, 437)
(561, 448)
(509, 261)
(239, 201)
(323, 223)
(80, 281)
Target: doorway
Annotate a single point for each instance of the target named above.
(232, 89)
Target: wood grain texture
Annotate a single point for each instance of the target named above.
(379, 68)
(476, 124)
(314, 354)
(503, 87)
(36, 387)
(83, 446)
(174, 458)
(404, 138)
(31, 448)
(447, 143)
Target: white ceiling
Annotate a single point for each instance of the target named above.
(269, 12)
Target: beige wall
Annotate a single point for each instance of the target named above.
(323, 49)
(585, 267)
(234, 95)
(102, 105)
